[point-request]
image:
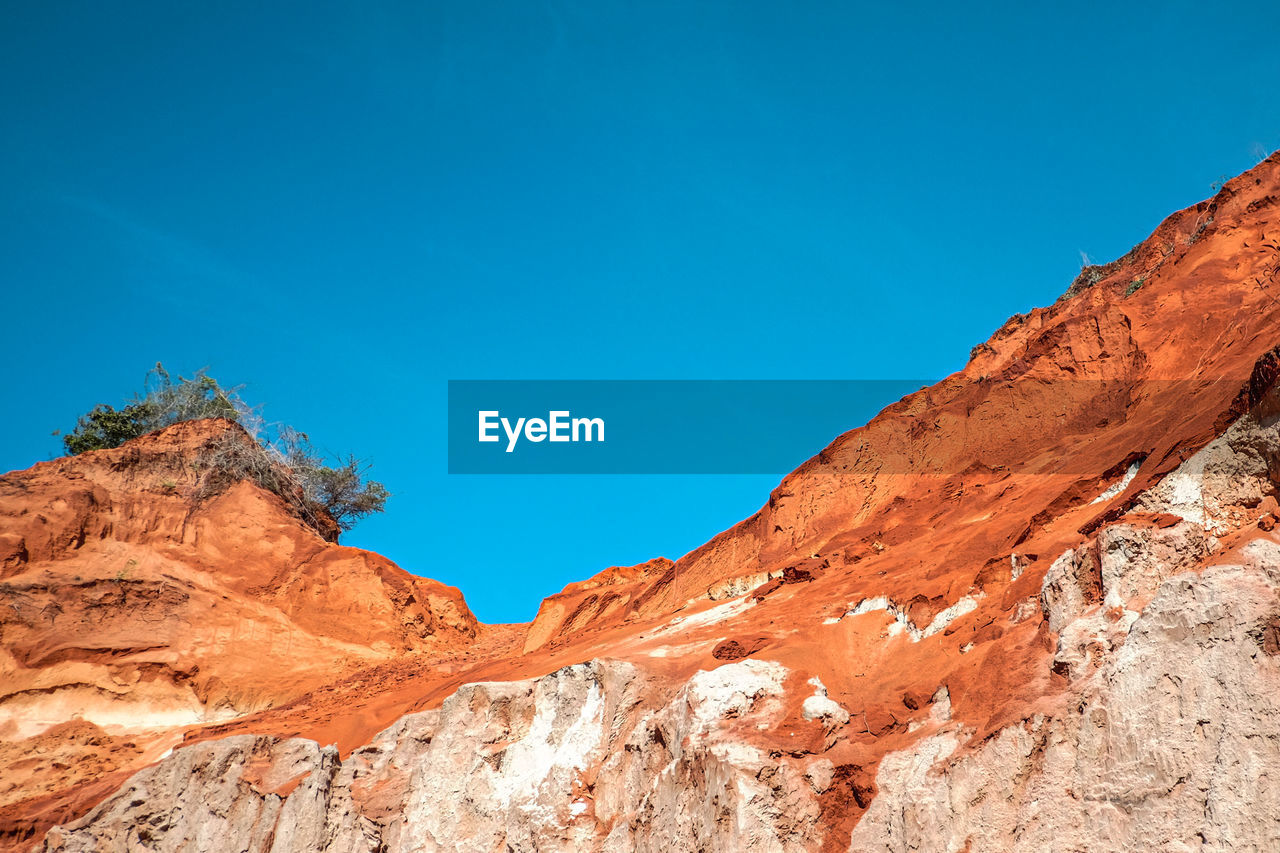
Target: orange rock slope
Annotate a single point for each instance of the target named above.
(129, 610)
(927, 576)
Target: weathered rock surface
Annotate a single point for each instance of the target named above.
(1034, 607)
(133, 609)
(1173, 735)
(1168, 741)
(583, 758)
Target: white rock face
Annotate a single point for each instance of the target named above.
(1235, 470)
(1175, 739)
(1134, 561)
(217, 795)
(821, 706)
(1173, 746)
(566, 762)
(517, 776)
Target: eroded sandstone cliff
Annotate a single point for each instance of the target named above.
(1033, 607)
(131, 609)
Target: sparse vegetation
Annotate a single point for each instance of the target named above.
(1134, 285)
(164, 402)
(124, 574)
(1201, 225)
(280, 459)
(1090, 274)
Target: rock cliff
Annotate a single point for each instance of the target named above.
(132, 608)
(1033, 607)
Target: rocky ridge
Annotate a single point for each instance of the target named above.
(1033, 607)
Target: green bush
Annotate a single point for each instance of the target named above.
(165, 402)
(104, 427)
(344, 492)
(281, 459)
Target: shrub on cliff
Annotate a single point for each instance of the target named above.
(103, 427)
(280, 459)
(165, 402)
(343, 491)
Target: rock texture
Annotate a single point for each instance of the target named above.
(583, 758)
(130, 610)
(1173, 735)
(1034, 607)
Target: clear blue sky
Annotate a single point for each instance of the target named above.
(345, 205)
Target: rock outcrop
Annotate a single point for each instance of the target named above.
(1034, 607)
(132, 608)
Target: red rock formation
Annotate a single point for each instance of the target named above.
(130, 609)
(1011, 611)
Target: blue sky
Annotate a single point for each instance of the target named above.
(343, 206)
